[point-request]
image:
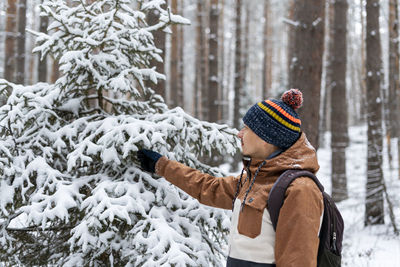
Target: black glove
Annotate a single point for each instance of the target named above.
(148, 159)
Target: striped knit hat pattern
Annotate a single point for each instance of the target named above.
(276, 121)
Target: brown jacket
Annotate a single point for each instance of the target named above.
(296, 242)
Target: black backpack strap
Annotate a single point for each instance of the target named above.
(277, 193)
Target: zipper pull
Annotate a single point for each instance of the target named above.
(334, 242)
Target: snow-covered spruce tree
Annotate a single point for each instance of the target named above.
(71, 191)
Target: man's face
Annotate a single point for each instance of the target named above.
(253, 146)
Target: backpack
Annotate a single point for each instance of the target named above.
(331, 232)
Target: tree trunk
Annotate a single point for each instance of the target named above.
(223, 88)
(201, 68)
(238, 71)
(204, 93)
(325, 120)
(159, 41)
(42, 64)
(266, 68)
(31, 59)
(306, 63)
(245, 51)
(238, 74)
(213, 77)
(291, 37)
(20, 78)
(339, 135)
(394, 70)
(176, 93)
(394, 87)
(199, 56)
(374, 212)
(363, 64)
(181, 64)
(55, 71)
(10, 41)
(269, 47)
(354, 62)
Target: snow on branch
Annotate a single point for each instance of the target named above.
(291, 22)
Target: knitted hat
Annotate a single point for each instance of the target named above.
(276, 121)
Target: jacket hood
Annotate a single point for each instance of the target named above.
(301, 155)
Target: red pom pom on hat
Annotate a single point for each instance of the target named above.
(293, 98)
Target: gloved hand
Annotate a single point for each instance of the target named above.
(148, 159)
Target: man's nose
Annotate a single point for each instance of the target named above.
(240, 133)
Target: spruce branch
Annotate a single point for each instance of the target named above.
(86, 10)
(5, 224)
(41, 229)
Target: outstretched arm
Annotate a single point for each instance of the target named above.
(207, 189)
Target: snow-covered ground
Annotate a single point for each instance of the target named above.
(375, 246)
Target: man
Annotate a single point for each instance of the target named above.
(272, 143)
